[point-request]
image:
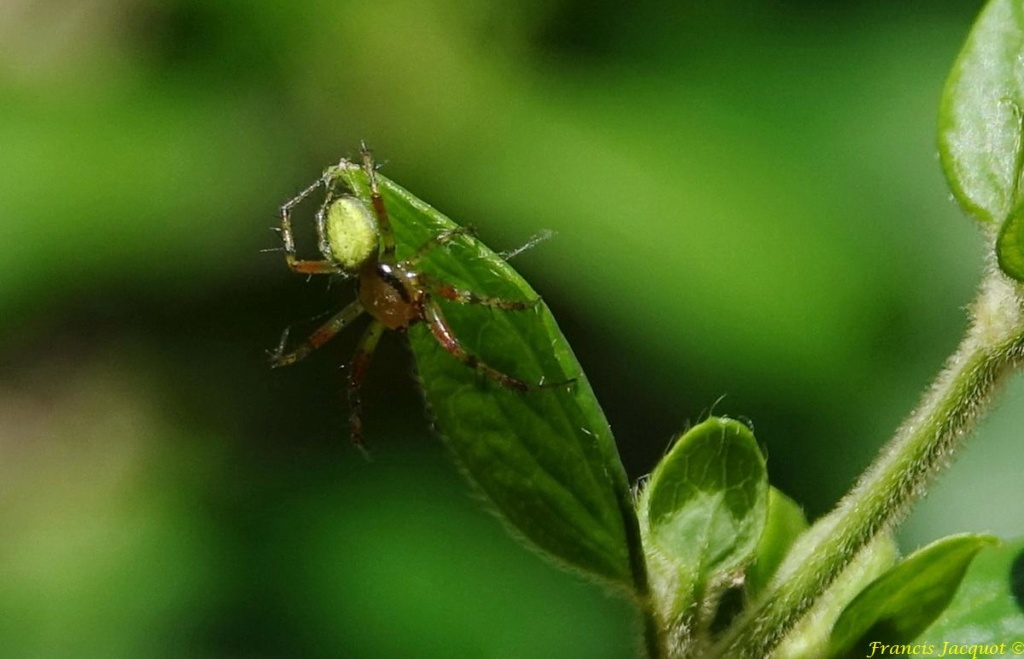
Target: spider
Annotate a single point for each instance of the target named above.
(356, 241)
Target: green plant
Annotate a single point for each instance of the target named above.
(719, 562)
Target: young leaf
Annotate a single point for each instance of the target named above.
(979, 115)
(544, 457)
(701, 515)
(901, 603)
(1010, 244)
(707, 500)
(786, 521)
(989, 606)
(980, 128)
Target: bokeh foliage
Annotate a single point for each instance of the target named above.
(747, 204)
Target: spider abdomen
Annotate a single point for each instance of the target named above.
(351, 233)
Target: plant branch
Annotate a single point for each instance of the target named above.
(992, 348)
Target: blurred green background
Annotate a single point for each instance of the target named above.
(750, 218)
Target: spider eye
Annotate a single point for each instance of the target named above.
(352, 232)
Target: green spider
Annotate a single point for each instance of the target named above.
(358, 241)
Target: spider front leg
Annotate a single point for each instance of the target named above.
(357, 373)
(387, 237)
(322, 266)
(322, 335)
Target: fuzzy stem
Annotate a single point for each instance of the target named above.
(926, 442)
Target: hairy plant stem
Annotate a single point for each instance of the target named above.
(992, 348)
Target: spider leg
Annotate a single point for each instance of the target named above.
(446, 337)
(307, 267)
(447, 236)
(322, 243)
(387, 237)
(529, 244)
(322, 335)
(356, 375)
(440, 239)
(463, 296)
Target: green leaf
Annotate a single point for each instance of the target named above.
(786, 521)
(545, 458)
(707, 500)
(901, 603)
(980, 128)
(979, 116)
(989, 607)
(1010, 244)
